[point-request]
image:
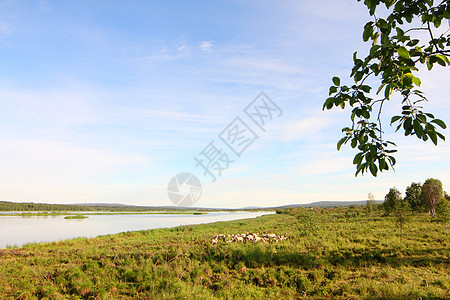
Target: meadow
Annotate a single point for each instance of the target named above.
(332, 253)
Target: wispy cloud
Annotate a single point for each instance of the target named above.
(5, 29)
(257, 64)
(173, 115)
(56, 158)
(38, 167)
(303, 129)
(206, 46)
(58, 105)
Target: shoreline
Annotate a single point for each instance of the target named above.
(62, 226)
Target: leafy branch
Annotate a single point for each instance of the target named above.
(393, 58)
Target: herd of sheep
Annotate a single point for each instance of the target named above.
(251, 237)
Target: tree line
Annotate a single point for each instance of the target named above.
(30, 206)
(428, 197)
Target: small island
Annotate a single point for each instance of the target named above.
(76, 217)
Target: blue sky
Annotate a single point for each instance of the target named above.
(105, 101)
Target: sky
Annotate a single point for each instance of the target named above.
(107, 101)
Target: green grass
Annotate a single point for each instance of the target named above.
(346, 255)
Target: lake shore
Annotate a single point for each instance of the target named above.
(33, 227)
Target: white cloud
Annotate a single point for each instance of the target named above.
(206, 46)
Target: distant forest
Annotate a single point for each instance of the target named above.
(12, 206)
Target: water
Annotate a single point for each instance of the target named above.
(17, 230)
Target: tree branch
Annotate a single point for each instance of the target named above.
(416, 28)
(379, 119)
(432, 37)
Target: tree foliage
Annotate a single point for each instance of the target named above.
(391, 200)
(413, 196)
(432, 193)
(29, 206)
(411, 35)
(401, 212)
(443, 212)
(394, 203)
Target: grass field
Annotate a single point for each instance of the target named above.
(335, 253)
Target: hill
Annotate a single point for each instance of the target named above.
(328, 204)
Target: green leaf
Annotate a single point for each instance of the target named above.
(403, 52)
(358, 76)
(390, 151)
(366, 88)
(359, 169)
(373, 169)
(440, 123)
(407, 79)
(368, 30)
(383, 25)
(416, 81)
(388, 91)
(382, 164)
(429, 65)
(373, 150)
(328, 103)
(440, 136)
(442, 60)
(341, 142)
(392, 160)
(433, 136)
(417, 128)
(333, 89)
(380, 88)
(395, 119)
(366, 114)
(336, 81)
(357, 159)
(355, 59)
(414, 42)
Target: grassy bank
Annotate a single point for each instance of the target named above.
(340, 253)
